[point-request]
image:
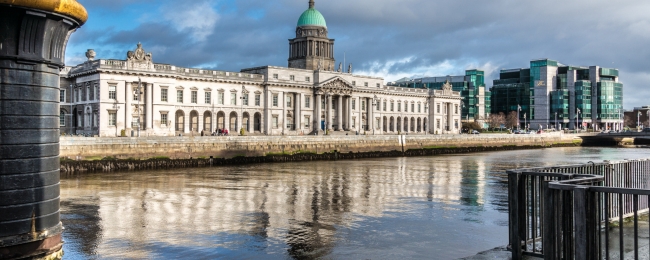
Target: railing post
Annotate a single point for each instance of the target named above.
(513, 214)
(549, 238)
(584, 237)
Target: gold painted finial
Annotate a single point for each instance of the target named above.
(70, 8)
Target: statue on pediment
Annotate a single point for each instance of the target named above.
(447, 87)
(139, 59)
(138, 55)
(350, 68)
(340, 67)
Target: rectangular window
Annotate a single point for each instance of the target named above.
(89, 94)
(456, 123)
(258, 99)
(245, 98)
(112, 92)
(307, 101)
(179, 96)
(194, 97)
(221, 99)
(384, 105)
(307, 79)
(363, 105)
(365, 84)
(392, 106)
(163, 95)
(419, 108)
(288, 101)
(438, 108)
(354, 104)
(275, 76)
(456, 109)
(112, 118)
(136, 94)
(163, 119)
(438, 123)
(61, 118)
(378, 85)
(307, 122)
(208, 97)
(292, 77)
(399, 107)
(275, 100)
(378, 106)
(354, 120)
(233, 98)
(413, 108)
(96, 92)
(61, 95)
(275, 121)
(354, 83)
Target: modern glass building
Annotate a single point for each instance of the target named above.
(560, 95)
(471, 87)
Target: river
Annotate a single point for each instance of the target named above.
(438, 207)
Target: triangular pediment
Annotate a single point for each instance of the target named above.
(336, 85)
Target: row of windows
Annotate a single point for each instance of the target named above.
(308, 79)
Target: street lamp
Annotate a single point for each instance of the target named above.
(137, 93)
(577, 118)
(556, 126)
(117, 108)
(647, 113)
(243, 90)
(378, 102)
(526, 128)
(638, 119)
(518, 109)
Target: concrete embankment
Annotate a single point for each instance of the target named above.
(81, 154)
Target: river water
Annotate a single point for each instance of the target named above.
(438, 207)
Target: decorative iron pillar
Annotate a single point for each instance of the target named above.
(33, 39)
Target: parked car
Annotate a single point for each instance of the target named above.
(646, 130)
(474, 132)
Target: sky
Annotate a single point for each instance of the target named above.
(386, 38)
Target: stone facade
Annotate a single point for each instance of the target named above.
(139, 97)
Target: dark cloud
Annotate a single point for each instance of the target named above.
(501, 33)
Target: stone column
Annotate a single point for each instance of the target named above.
(296, 112)
(316, 115)
(371, 114)
(450, 116)
(328, 113)
(349, 113)
(33, 39)
(149, 107)
(128, 112)
(339, 113)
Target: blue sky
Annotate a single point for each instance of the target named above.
(386, 38)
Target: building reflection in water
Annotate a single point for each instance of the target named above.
(293, 209)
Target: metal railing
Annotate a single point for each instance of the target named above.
(565, 212)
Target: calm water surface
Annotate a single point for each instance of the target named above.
(440, 207)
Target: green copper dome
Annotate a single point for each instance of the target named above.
(312, 17)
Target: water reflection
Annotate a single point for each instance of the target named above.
(448, 206)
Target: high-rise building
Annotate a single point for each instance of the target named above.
(471, 87)
(551, 94)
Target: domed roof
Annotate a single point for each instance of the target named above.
(312, 17)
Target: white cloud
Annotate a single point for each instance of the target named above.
(199, 18)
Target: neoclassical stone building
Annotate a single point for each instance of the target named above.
(115, 97)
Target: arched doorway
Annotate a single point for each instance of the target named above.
(233, 122)
(74, 118)
(425, 128)
(419, 124)
(406, 124)
(207, 122)
(385, 126)
(194, 121)
(413, 125)
(221, 120)
(245, 122)
(391, 124)
(257, 119)
(399, 124)
(180, 121)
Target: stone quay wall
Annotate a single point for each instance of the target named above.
(198, 147)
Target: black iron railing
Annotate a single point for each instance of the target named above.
(566, 212)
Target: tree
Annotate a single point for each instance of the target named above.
(496, 120)
(512, 120)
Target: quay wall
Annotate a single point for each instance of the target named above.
(82, 154)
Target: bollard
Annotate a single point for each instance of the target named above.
(33, 39)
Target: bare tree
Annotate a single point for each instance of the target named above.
(511, 119)
(496, 120)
